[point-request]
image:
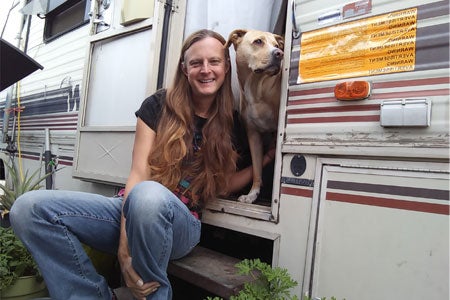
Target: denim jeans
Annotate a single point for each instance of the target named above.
(53, 224)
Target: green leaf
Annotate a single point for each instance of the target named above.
(15, 186)
(15, 260)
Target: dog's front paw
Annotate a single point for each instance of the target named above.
(250, 197)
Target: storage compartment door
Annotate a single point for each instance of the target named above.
(382, 234)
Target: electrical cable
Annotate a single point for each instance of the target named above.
(18, 130)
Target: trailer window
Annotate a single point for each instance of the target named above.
(65, 18)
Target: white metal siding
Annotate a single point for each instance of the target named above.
(318, 123)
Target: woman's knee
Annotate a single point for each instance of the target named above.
(147, 199)
(21, 214)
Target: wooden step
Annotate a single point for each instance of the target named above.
(212, 271)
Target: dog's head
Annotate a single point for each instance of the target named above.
(260, 51)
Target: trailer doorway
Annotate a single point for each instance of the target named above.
(224, 16)
(114, 88)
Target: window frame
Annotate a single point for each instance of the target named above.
(55, 17)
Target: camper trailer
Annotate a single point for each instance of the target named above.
(358, 206)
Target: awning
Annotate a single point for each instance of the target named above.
(14, 64)
(41, 7)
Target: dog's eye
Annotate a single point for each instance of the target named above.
(258, 42)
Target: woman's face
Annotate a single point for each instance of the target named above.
(205, 67)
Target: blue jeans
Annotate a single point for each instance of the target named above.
(53, 224)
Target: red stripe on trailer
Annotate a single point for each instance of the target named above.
(297, 191)
(376, 85)
(376, 96)
(345, 108)
(410, 94)
(413, 82)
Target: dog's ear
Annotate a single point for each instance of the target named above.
(280, 41)
(235, 37)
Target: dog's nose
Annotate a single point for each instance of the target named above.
(278, 53)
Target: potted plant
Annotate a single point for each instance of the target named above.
(14, 186)
(269, 283)
(20, 277)
(273, 283)
(17, 267)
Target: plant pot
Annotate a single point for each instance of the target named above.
(24, 288)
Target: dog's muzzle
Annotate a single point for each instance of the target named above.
(274, 65)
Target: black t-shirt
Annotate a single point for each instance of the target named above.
(150, 113)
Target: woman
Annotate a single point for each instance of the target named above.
(183, 155)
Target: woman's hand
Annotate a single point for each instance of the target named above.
(133, 281)
(143, 144)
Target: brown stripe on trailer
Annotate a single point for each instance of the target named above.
(390, 189)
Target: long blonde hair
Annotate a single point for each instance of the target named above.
(173, 158)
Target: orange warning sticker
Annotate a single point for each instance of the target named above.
(377, 45)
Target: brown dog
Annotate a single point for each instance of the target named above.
(259, 57)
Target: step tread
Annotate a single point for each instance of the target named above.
(213, 271)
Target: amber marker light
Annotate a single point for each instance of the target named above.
(352, 90)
